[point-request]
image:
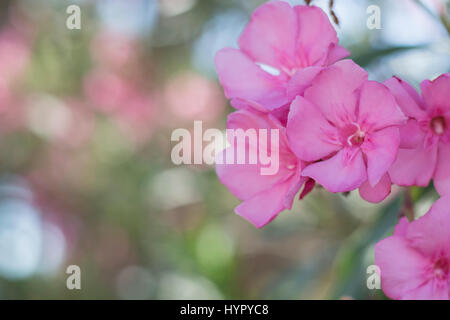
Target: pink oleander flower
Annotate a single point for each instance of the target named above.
(294, 42)
(415, 261)
(263, 196)
(349, 127)
(425, 141)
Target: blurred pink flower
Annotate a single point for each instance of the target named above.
(189, 96)
(122, 99)
(415, 261)
(350, 126)
(281, 50)
(5, 96)
(114, 50)
(106, 90)
(264, 196)
(14, 54)
(425, 140)
(137, 118)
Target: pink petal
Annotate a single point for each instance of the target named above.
(337, 53)
(377, 193)
(402, 268)
(301, 80)
(430, 234)
(343, 172)
(411, 135)
(242, 78)
(270, 36)
(309, 186)
(414, 167)
(436, 94)
(310, 135)
(380, 149)
(406, 97)
(244, 104)
(315, 35)
(377, 107)
(401, 228)
(334, 91)
(432, 289)
(246, 180)
(442, 175)
(266, 205)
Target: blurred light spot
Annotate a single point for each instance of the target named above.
(172, 8)
(221, 31)
(175, 188)
(406, 23)
(130, 17)
(27, 244)
(178, 287)
(20, 238)
(53, 249)
(428, 64)
(135, 282)
(48, 117)
(192, 97)
(113, 49)
(214, 248)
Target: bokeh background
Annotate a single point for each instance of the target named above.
(86, 176)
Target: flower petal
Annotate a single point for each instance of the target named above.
(411, 135)
(377, 193)
(407, 97)
(337, 53)
(265, 206)
(377, 107)
(401, 228)
(431, 233)
(270, 36)
(310, 135)
(334, 91)
(402, 268)
(432, 289)
(442, 175)
(343, 172)
(414, 167)
(301, 81)
(436, 93)
(242, 78)
(315, 34)
(247, 180)
(381, 149)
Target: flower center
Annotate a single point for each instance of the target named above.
(438, 125)
(441, 268)
(352, 135)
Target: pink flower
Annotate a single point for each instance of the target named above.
(263, 196)
(425, 140)
(14, 54)
(106, 90)
(295, 42)
(114, 50)
(349, 127)
(189, 96)
(415, 261)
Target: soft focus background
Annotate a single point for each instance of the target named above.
(85, 171)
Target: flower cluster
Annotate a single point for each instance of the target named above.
(339, 130)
